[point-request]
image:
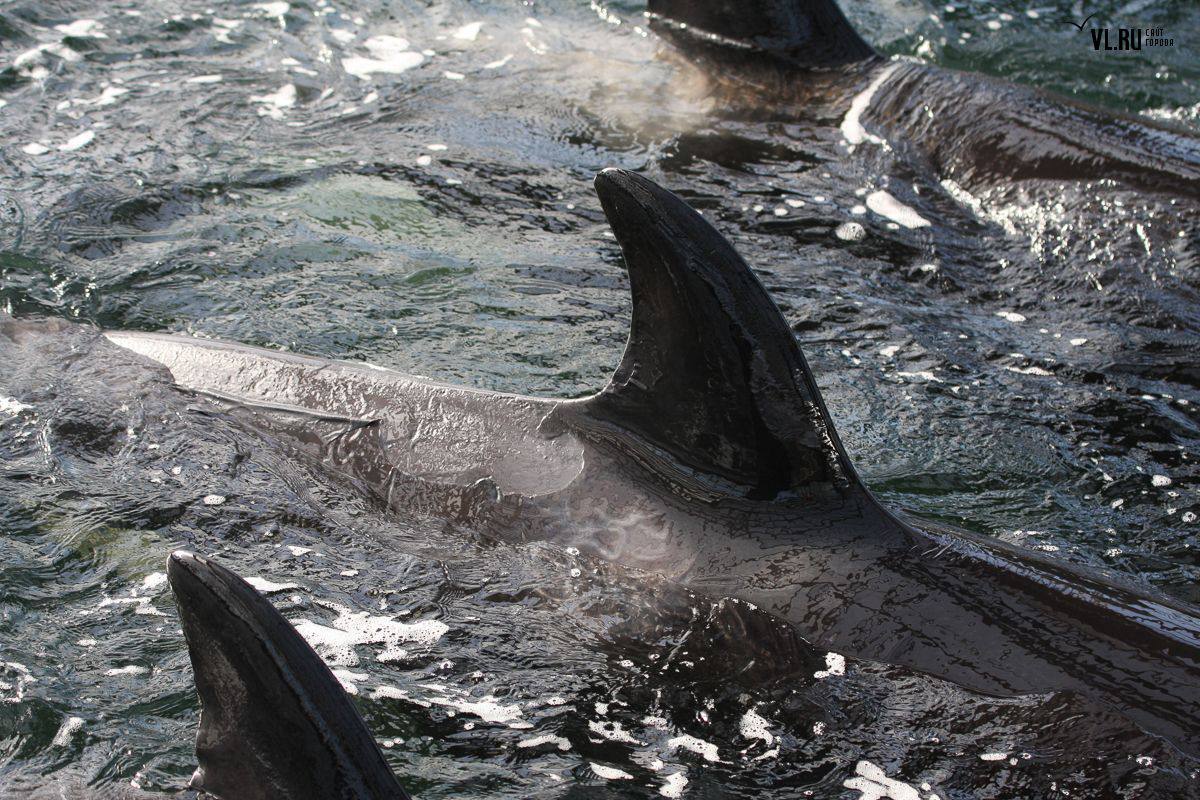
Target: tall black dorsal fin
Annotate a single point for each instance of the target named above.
(712, 373)
(801, 33)
(274, 721)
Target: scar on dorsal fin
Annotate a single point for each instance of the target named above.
(274, 721)
(711, 373)
(808, 34)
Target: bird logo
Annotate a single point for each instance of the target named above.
(1081, 24)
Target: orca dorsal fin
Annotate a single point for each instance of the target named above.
(807, 34)
(712, 374)
(275, 724)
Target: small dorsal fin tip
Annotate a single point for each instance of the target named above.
(712, 373)
(255, 676)
(800, 33)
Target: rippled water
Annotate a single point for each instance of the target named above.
(281, 174)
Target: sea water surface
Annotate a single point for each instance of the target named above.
(408, 183)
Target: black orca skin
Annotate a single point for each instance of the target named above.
(275, 724)
(710, 458)
(801, 59)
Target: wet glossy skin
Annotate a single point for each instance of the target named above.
(981, 131)
(275, 723)
(975, 130)
(768, 511)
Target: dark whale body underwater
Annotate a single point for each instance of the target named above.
(710, 458)
(802, 59)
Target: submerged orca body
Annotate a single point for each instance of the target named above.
(275, 724)
(710, 458)
(802, 58)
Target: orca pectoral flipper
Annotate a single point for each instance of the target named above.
(712, 373)
(275, 724)
(806, 34)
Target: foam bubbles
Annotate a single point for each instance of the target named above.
(610, 773)
(852, 127)
(66, 732)
(835, 664)
(337, 644)
(389, 54)
(850, 232)
(874, 784)
(706, 750)
(1011, 316)
(537, 741)
(675, 783)
(82, 29)
(270, 587)
(77, 142)
(275, 102)
(128, 669)
(885, 205)
(468, 32)
(12, 406)
(754, 726)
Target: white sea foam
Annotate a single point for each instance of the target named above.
(10, 405)
(154, 581)
(754, 726)
(610, 773)
(128, 669)
(77, 142)
(18, 684)
(486, 708)
(885, 205)
(1030, 371)
(850, 232)
(337, 644)
(611, 731)
(674, 785)
(274, 104)
(922, 374)
(468, 32)
(852, 127)
(874, 784)
(706, 750)
(66, 732)
(107, 97)
(349, 680)
(82, 28)
(269, 587)
(276, 9)
(835, 664)
(537, 741)
(141, 605)
(388, 54)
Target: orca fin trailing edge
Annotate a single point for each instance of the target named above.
(712, 373)
(806, 34)
(274, 721)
